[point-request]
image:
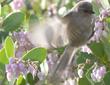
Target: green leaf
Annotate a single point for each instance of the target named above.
(5, 2)
(82, 56)
(106, 44)
(8, 1)
(107, 78)
(108, 19)
(33, 19)
(3, 57)
(98, 50)
(84, 81)
(70, 4)
(95, 8)
(9, 47)
(21, 81)
(88, 75)
(36, 79)
(30, 79)
(60, 50)
(99, 83)
(13, 21)
(36, 54)
(5, 10)
(2, 68)
(37, 8)
(3, 36)
(2, 74)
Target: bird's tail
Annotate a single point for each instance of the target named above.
(62, 65)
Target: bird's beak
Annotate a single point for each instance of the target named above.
(91, 11)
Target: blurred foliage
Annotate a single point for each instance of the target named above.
(37, 10)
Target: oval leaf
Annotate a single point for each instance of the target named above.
(13, 21)
(21, 81)
(83, 56)
(9, 47)
(107, 78)
(3, 57)
(84, 81)
(97, 49)
(36, 54)
(3, 35)
(30, 79)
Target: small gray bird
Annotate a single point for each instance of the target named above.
(77, 25)
(79, 28)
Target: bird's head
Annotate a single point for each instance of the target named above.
(85, 7)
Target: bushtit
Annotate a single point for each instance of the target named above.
(77, 26)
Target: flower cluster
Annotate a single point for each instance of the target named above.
(104, 14)
(100, 25)
(17, 67)
(22, 42)
(98, 73)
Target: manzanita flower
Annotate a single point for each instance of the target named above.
(80, 70)
(97, 35)
(99, 25)
(70, 82)
(17, 4)
(14, 69)
(52, 59)
(80, 73)
(85, 48)
(98, 73)
(105, 13)
(44, 69)
(32, 70)
(17, 67)
(9, 76)
(99, 31)
(22, 42)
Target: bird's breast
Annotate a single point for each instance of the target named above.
(79, 30)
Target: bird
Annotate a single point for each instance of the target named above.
(79, 29)
(75, 28)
